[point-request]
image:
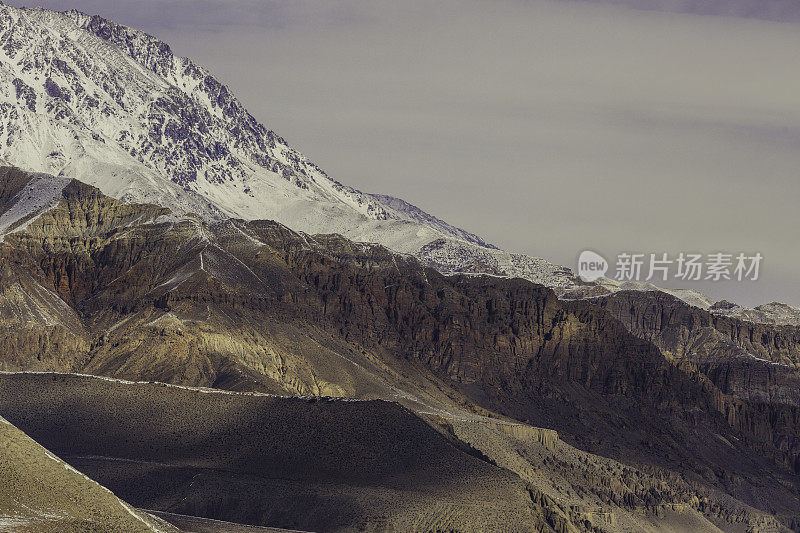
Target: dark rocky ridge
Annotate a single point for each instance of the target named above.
(680, 330)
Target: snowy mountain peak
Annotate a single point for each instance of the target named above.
(86, 98)
(84, 95)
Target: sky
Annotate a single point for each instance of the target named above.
(547, 127)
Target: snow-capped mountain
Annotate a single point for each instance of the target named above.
(83, 97)
(86, 98)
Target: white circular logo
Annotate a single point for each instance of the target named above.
(591, 266)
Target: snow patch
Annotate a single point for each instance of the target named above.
(40, 194)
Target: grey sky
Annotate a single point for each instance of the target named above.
(547, 127)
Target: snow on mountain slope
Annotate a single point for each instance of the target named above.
(771, 313)
(83, 97)
(86, 98)
(403, 210)
(690, 296)
(39, 194)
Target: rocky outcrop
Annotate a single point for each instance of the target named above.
(681, 330)
(751, 361)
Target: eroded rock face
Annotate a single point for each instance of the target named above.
(681, 330)
(256, 306)
(514, 347)
(752, 361)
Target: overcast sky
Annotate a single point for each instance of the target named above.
(547, 127)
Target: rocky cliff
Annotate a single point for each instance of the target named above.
(752, 361)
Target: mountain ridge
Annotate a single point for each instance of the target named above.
(41, 492)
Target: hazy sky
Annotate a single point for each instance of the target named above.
(547, 127)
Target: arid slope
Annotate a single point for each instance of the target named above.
(312, 464)
(40, 492)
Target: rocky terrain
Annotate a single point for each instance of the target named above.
(750, 360)
(496, 391)
(772, 313)
(606, 431)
